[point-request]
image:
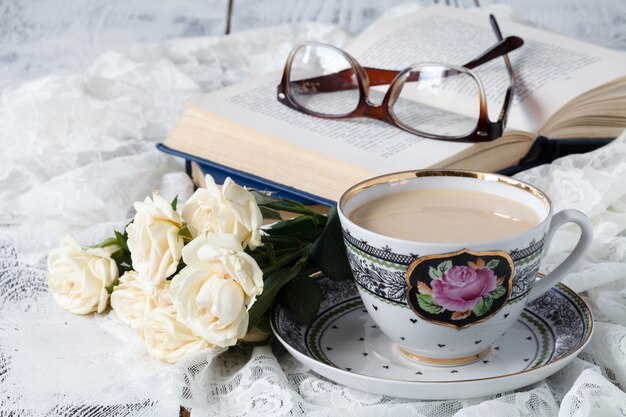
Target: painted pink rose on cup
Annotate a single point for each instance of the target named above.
(461, 287)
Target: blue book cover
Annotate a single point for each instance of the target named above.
(221, 172)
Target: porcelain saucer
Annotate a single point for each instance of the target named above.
(343, 344)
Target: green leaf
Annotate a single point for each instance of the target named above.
(174, 203)
(429, 305)
(112, 285)
(302, 298)
(292, 207)
(282, 241)
(269, 248)
(272, 283)
(122, 255)
(108, 242)
(185, 234)
(263, 325)
(434, 273)
(270, 214)
(118, 256)
(444, 266)
(304, 227)
(121, 239)
(263, 198)
(483, 306)
(498, 292)
(287, 260)
(328, 252)
(492, 263)
(181, 265)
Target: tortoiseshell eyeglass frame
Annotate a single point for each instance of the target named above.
(485, 129)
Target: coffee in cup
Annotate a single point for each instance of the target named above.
(467, 216)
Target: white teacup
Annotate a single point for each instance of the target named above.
(414, 291)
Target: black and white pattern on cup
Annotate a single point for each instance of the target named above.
(524, 279)
(390, 284)
(384, 254)
(387, 254)
(385, 283)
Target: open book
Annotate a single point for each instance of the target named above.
(564, 89)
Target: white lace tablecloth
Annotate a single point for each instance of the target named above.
(78, 150)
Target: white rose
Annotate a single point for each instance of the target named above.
(211, 304)
(153, 241)
(78, 277)
(164, 297)
(131, 300)
(167, 339)
(222, 254)
(226, 209)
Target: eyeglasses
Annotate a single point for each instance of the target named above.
(324, 81)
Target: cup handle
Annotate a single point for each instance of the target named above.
(586, 236)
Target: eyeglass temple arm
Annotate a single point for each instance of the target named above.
(501, 48)
(345, 80)
(508, 97)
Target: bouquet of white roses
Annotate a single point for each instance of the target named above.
(205, 276)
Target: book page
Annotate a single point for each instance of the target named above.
(550, 69)
(368, 144)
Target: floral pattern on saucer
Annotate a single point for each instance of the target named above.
(344, 344)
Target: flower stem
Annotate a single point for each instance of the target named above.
(301, 254)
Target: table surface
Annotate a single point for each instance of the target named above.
(63, 36)
(38, 38)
